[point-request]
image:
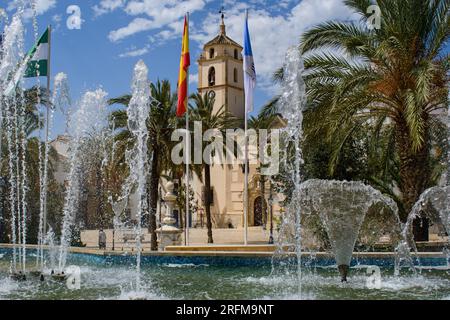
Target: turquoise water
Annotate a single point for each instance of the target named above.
(101, 279)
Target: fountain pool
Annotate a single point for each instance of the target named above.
(203, 278)
(342, 208)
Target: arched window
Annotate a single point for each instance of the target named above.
(235, 75)
(212, 77)
(236, 55)
(211, 53)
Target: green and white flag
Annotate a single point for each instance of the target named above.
(35, 63)
(38, 58)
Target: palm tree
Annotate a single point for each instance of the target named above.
(202, 109)
(391, 81)
(32, 159)
(161, 122)
(32, 122)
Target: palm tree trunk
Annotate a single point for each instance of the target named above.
(208, 202)
(414, 179)
(153, 199)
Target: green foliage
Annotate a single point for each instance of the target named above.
(374, 97)
(33, 121)
(162, 121)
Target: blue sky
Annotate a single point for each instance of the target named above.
(115, 34)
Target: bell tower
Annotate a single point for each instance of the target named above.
(220, 72)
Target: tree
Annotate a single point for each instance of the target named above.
(161, 122)
(390, 82)
(28, 100)
(202, 109)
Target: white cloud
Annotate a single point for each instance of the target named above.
(171, 31)
(274, 27)
(57, 18)
(272, 34)
(159, 14)
(137, 25)
(134, 53)
(42, 6)
(106, 6)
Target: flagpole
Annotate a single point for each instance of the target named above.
(246, 182)
(44, 227)
(188, 152)
(246, 170)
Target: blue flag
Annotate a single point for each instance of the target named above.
(249, 69)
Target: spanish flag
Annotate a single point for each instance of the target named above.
(185, 62)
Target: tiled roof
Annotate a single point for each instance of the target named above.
(222, 39)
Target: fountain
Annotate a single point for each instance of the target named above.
(58, 99)
(349, 214)
(50, 242)
(291, 106)
(434, 203)
(12, 45)
(118, 202)
(90, 117)
(342, 207)
(12, 114)
(138, 112)
(135, 185)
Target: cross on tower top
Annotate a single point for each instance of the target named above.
(222, 25)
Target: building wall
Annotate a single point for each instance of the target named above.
(227, 181)
(228, 92)
(61, 145)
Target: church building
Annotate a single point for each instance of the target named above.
(220, 74)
